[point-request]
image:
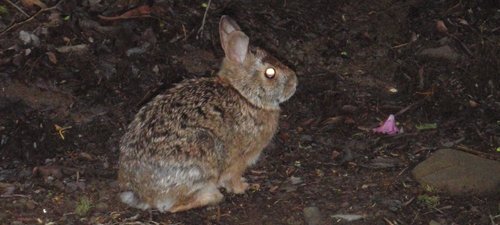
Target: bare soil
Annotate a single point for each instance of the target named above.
(63, 111)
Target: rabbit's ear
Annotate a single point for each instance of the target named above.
(233, 41)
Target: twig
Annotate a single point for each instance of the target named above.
(18, 8)
(15, 25)
(478, 153)
(492, 218)
(200, 31)
(388, 221)
(409, 107)
(467, 50)
(400, 45)
(15, 195)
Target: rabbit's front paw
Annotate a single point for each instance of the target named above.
(240, 186)
(236, 185)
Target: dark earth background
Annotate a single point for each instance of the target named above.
(71, 80)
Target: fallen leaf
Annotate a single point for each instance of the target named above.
(334, 120)
(52, 57)
(426, 126)
(348, 217)
(86, 156)
(473, 104)
(441, 27)
(31, 3)
(46, 171)
(141, 11)
(335, 154)
(273, 188)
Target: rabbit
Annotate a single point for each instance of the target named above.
(202, 134)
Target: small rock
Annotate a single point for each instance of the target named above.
(295, 180)
(433, 222)
(29, 38)
(459, 173)
(101, 206)
(306, 138)
(312, 215)
(17, 223)
(30, 204)
(393, 204)
(443, 52)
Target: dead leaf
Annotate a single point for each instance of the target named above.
(7, 189)
(307, 122)
(441, 27)
(31, 3)
(86, 156)
(52, 57)
(335, 154)
(48, 171)
(333, 120)
(141, 11)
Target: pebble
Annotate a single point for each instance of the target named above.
(433, 222)
(101, 206)
(30, 205)
(312, 215)
(443, 52)
(306, 138)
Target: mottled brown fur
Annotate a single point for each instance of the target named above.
(203, 133)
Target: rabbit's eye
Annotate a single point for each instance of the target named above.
(270, 72)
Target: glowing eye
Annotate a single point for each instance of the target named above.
(270, 72)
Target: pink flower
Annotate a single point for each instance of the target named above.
(389, 127)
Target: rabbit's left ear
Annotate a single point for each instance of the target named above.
(233, 41)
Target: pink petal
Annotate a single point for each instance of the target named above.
(389, 126)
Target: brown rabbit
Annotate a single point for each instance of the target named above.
(202, 134)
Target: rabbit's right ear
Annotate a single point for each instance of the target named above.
(233, 41)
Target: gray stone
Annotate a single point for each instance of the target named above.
(459, 173)
(312, 215)
(102, 207)
(433, 222)
(443, 52)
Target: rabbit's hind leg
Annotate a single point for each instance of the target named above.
(207, 195)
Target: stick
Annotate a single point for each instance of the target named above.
(30, 18)
(204, 19)
(18, 8)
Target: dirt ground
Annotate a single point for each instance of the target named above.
(73, 76)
